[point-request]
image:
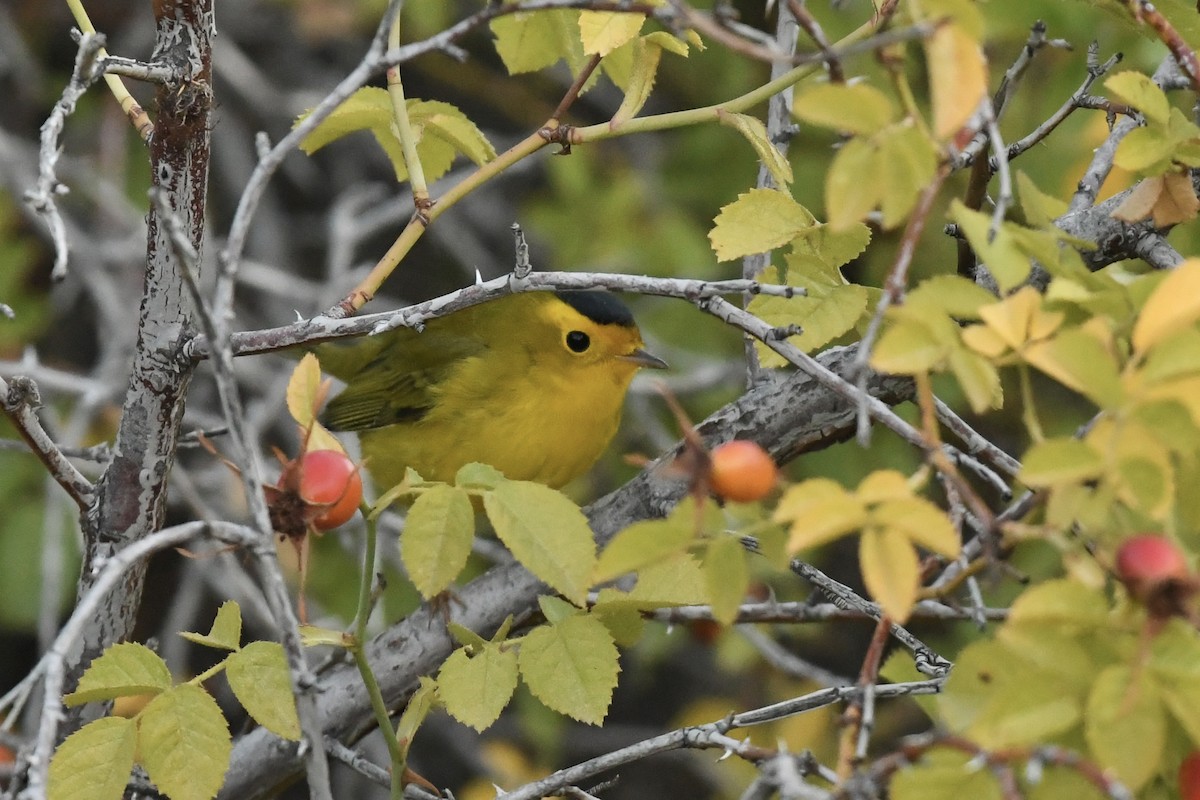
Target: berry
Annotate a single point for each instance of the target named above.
(742, 471)
(1148, 559)
(330, 480)
(1189, 777)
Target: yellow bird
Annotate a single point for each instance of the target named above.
(531, 384)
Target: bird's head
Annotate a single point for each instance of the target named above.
(595, 330)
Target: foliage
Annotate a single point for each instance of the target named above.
(1033, 318)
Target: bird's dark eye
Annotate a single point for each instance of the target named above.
(578, 341)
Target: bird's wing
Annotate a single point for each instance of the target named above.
(396, 385)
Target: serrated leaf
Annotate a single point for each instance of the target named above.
(832, 249)
(921, 522)
(123, 670)
(94, 761)
(314, 636)
(727, 577)
(571, 667)
(306, 390)
(909, 345)
(818, 510)
(957, 77)
(1125, 726)
(531, 40)
(477, 476)
(676, 582)
(604, 31)
(1146, 151)
(978, 378)
(951, 294)
(1173, 306)
(418, 708)
(852, 187)
(1002, 253)
(641, 544)
(822, 318)
(856, 108)
(1058, 461)
(1059, 603)
(642, 73)
(475, 689)
(546, 532)
(758, 221)
(437, 538)
(226, 631)
(452, 126)
(184, 744)
(259, 678)
(1079, 361)
(909, 163)
(555, 609)
(755, 132)
(1040, 209)
(890, 571)
(1138, 90)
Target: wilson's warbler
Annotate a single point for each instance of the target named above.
(531, 384)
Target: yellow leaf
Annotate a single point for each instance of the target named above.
(819, 511)
(857, 108)
(605, 31)
(957, 77)
(922, 522)
(890, 571)
(1174, 305)
(306, 391)
(758, 221)
(1140, 201)
(883, 484)
(1178, 202)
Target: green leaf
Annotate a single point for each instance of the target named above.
(1175, 667)
(475, 689)
(260, 680)
(554, 609)
(478, 476)
(944, 775)
(571, 667)
(419, 705)
(94, 761)
(446, 122)
(641, 544)
(727, 576)
(852, 185)
(123, 670)
(909, 163)
(1138, 90)
(758, 221)
(823, 316)
(1040, 209)
(1125, 726)
(1058, 461)
(676, 582)
(890, 571)
(437, 538)
(1008, 263)
(978, 378)
(1145, 151)
(831, 249)
(604, 31)
(546, 532)
(226, 632)
(856, 108)
(531, 40)
(184, 744)
(756, 134)
(910, 344)
(314, 636)
(1058, 603)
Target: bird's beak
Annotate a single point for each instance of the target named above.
(644, 359)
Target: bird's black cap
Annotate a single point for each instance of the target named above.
(600, 307)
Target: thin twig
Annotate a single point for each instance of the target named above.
(18, 399)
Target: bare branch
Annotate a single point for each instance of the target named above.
(20, 397)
